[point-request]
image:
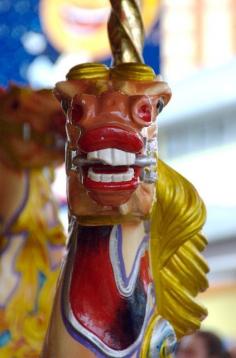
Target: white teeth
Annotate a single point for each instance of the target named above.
(106, 178)
(110, 178)
(94, 176)
(117, 178)
(112, 156)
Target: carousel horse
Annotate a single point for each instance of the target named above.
(133, 265)
(31, 237)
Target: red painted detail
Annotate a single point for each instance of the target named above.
(145, 113)
(110, 137)
(95, 300)
(103, 299)
(114, 193)
(77, 113)
(144, 271)
(113, 186)
(58, 122)
(106, 169)
(117, 186)
(94, 297)
(110, 198)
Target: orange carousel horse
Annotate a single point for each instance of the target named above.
(133, 266)
(31, 237)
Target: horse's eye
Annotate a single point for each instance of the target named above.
(77, 113)
(15, 104)
(160, 105)
(64, 105)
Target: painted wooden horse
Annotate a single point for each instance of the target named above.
(133, 264)
(31, 237)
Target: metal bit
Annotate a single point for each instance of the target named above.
(140, 161)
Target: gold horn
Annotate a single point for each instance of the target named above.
(126, 31)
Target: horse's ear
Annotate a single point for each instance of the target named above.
(65, 91)
(157, 89)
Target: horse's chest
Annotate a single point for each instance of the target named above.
(107, 306)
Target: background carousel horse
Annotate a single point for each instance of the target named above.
(31, 237)
(133, 266)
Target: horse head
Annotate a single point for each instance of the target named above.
(112, 135)
(32, 128)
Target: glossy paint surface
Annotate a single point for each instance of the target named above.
(95, 299)
(32, 128)
(107, 313)
(112, 128)
(105, 301)
(31, 236)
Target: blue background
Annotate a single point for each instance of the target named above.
(18, 17)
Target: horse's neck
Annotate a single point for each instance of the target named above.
(124, 243)
(13, 193)
(119, 253)
(107, 289)
(128, 241)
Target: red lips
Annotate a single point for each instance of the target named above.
(110, 137)
(110, 193)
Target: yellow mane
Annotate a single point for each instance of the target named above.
(178, 269)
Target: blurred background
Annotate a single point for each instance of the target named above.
(193, 44)
(198, 132)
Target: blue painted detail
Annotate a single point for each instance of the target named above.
(41, 281)
(42, 278)
(5, 338)
(163, 335)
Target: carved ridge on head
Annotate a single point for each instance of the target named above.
(126, 77)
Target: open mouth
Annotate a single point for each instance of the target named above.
(110, 169)
(85, 20)
(111, 175)
(110, 162)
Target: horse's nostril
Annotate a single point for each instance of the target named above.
(145, 113)
(142, 111)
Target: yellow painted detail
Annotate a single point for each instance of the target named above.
(28, 311)
(178, 268)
